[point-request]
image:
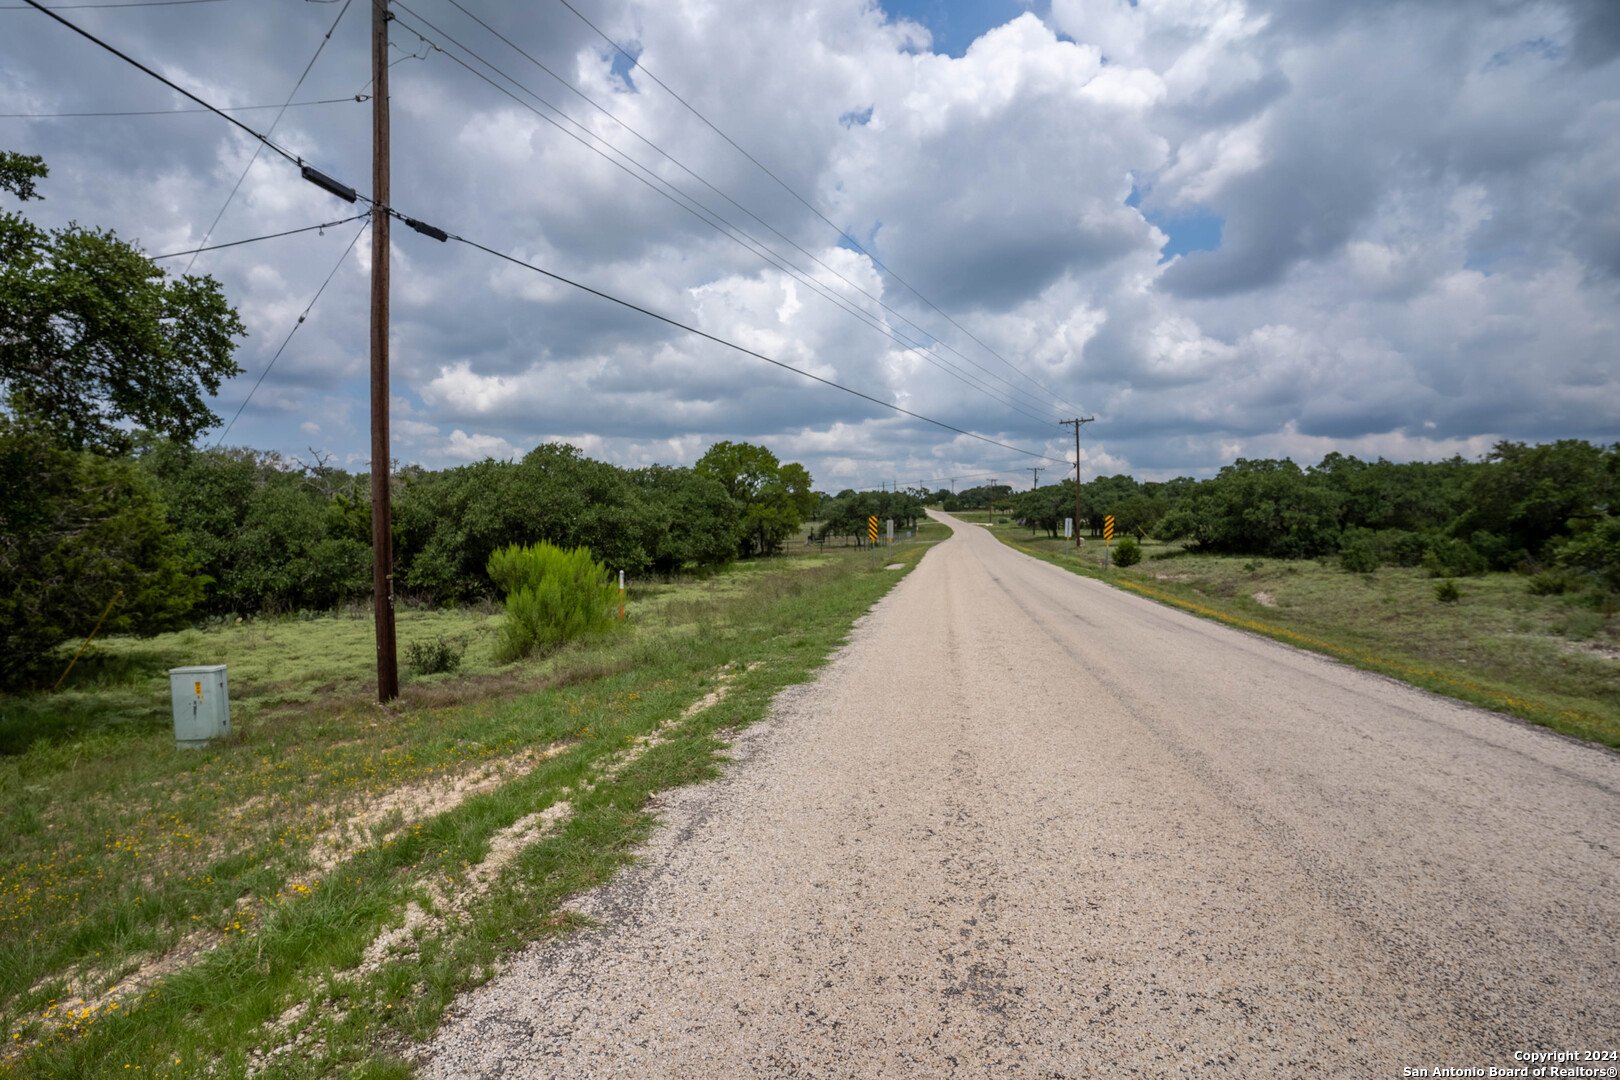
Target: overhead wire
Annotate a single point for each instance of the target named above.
(176, 112)
(593, 103)
(704, 213)
(747, 351)
(256, 239)
(259, 149)
(811, 207)
(302, 316)
(264, 139)
(132, 3)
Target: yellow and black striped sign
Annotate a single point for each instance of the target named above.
(871, 528)
(1108, 527)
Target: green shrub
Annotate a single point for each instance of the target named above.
(1359, 557)
(1549, 583)
(432, 657)
(1448, 557)
(1446, 591)
(1127, 552)
(1595, 550)
(552, 596)
(1583, 626)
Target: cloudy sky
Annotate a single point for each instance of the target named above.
(1222, 228)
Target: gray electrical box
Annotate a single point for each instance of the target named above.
(202, 704)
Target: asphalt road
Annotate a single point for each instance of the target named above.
(1027, 825)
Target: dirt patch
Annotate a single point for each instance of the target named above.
(404, 806)
(89, 998)
(1265, 599)
(1172, 577)
(1599, 649)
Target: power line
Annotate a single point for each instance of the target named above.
(256, 150)
(133, 3)
(749, 352)
(307, 308)
(702, 212)
(700, 179)
(809, 206)
(310, 174)
(263, 139)
(256, 239)
(439, 234)
(176, 112)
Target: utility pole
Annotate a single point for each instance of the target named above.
(1036, 469)
(992, 522)
(382, 533)
(1076, 424)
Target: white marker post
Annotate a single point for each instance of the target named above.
(891, 531)
(1068, 531)
(621, 594)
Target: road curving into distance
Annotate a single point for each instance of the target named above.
(1028, 825)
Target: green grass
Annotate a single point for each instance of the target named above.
(115, 845)
(1553, 660)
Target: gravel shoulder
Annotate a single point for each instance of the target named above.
(1027, 824)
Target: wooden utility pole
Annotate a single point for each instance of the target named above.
(1076, 423)
(382, 533)
(992, 522)
(1035, 470)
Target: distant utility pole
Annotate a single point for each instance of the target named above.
(992, 521)
(1076, 424)
(382, 535)
(1036, 470)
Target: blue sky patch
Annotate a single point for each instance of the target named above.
(622, 66)
(855, 118)
(1197, 231)
(956, 24)
(1193, 232)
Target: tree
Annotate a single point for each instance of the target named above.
(1526, 496)
(741, 468)
(772, 499)
(1260, 507)
(698, 520)
(267, 537)
(93, 335)
(796, 478)
(75, 529)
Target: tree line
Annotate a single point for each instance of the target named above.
(1527, 507)
(187, 533)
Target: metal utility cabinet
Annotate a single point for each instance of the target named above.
(202, 704)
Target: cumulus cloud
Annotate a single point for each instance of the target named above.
(1419, 247)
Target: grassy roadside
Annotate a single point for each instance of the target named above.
(1551, 660)
(305, 899)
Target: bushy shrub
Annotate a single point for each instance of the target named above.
(1397, 547)
(1448, 557)
(1359, 557)
(1549, 583)
(1446, 591)
(1127, 552)
(432, 657)
(552, 596)
(1596, 551)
